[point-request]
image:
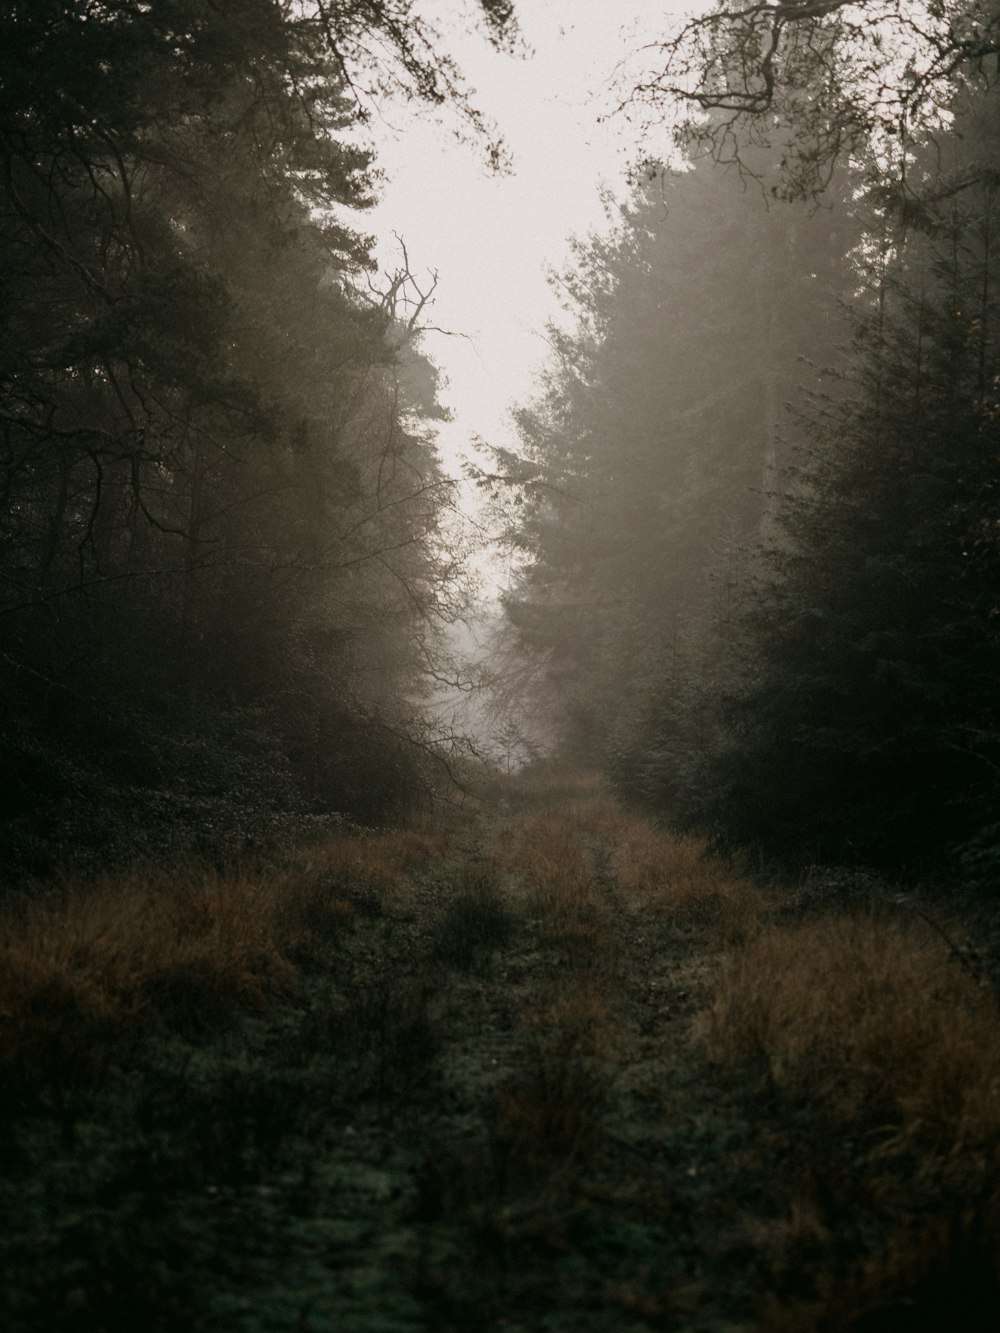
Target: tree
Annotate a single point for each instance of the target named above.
(865, 727)
(220, 554)
(653, 450)
(820, 82)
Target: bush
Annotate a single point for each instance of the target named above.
(476, 921)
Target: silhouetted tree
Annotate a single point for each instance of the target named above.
(653, 450)
(818, 83)
(220, 548)
(866, 726)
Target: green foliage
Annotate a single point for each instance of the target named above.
(865, 725)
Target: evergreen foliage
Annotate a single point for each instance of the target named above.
(866, 726)
(832, 699)
(652, 455)
(817, 83)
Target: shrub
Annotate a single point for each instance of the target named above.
(676, 875)
(475, 921)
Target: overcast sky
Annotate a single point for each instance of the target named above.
(490, 238)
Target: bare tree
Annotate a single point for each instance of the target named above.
(817, 82)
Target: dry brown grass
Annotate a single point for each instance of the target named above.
(599, 819)
(548, 1116)
(378, 863)
(872, 1018)
(548, 856)
(411, 848)
(557, 780)
(560, 850)
(91, 964)
(583, 943)
(872, 1029)
(667, 873)
(578, 1017)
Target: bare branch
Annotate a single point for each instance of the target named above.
(813, 83)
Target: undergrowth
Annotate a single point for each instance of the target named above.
(566, 1072)
(91, 964)
(868, 1025)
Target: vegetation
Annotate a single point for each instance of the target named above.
(818, 84)
(760, 596)
(654, 454)
(285, 1042)
(222, 565)
(553, 1069)
(864, 723)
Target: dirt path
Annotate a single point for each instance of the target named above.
(616, 1175)
(591, 1140)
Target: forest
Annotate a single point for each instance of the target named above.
(605, 942)
(225, 553)
(756, 497)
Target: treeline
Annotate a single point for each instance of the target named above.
(222, 569)
(757, 495)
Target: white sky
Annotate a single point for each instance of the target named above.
(490, 238)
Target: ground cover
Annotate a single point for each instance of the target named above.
(544, 1068)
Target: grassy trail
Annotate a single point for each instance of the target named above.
(549, 1069)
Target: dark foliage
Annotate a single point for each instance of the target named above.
(865, 727)
(219, 510)
(653, 455)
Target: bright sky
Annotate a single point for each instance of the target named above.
(491, 238)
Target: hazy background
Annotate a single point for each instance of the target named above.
(490, 237)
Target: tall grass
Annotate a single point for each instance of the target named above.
(546, 1120)
(549, 860)
(90, 964)
(871, 1017)
(665, 873)
(548, 1116)
(870, 1027)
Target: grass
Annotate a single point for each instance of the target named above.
(92, 964)
(474, 922)
(874, 1019)
(677, 876)
(557, 1070)
(892, 1050)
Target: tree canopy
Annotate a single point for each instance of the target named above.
(778, 627)
(821, 82)
(222, 572)
(653, 451)
(864, 724)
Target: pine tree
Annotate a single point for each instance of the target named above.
(220, 566)
(867, 725)
(653, 451)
